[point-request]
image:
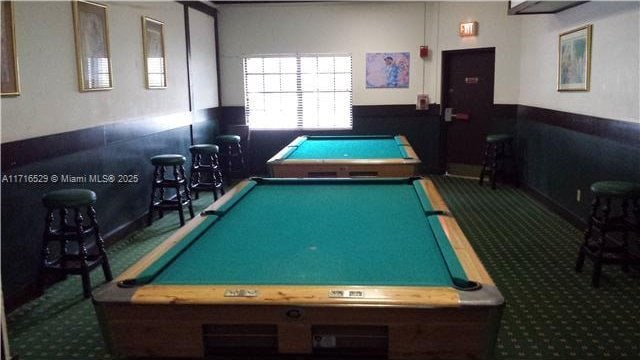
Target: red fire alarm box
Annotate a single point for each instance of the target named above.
(424, 51)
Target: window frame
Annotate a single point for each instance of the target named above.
(299, 92)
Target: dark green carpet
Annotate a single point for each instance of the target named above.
(61, 324)
(551, 313)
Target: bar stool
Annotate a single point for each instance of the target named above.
(231, 152)
(210, 169)
(604, 249)
(75, 256)
(499, 147)
(178, 183)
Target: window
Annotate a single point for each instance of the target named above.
(303, 92)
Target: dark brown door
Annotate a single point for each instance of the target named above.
(467, 90)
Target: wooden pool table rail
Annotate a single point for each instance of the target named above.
(301, 294)
(403, 323)
(406, 323)
(466, 255)
(280, 166)
(177, 236)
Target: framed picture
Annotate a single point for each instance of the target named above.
(388, 70)
(93, 56)
(10, 77)
(155, 66)
(574, 59)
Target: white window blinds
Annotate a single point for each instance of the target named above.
(303, 91)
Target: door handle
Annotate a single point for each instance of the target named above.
(449, 115)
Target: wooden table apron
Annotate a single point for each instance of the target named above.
(419, 322)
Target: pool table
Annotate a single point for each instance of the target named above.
(345, 156)
(335, 267)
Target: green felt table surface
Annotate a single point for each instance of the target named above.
(348, 147)
(321, 232)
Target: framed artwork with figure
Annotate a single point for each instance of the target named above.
(93, 56)
(574, 59)
(388, 70)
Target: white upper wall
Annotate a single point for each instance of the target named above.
(615, 60)
(50, 101)
(358, 28)
(495, 29)
(347, 28)
(526, 56)
(204, 76)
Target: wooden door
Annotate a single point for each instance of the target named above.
(467, 93)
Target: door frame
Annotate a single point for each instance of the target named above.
(444, 95)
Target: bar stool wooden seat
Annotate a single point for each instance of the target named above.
(160, 182)
(75, 255)
(231, 152)
(498, 149)
(205, 170)
(600, 244)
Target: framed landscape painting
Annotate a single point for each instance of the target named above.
(574, 59)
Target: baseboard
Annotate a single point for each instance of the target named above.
(24, 295)
(466, 171)
(125, 230)
(570, 217)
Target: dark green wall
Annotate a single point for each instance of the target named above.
(422, 129)
(561, 152)
(425, 131)
(123, 148)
